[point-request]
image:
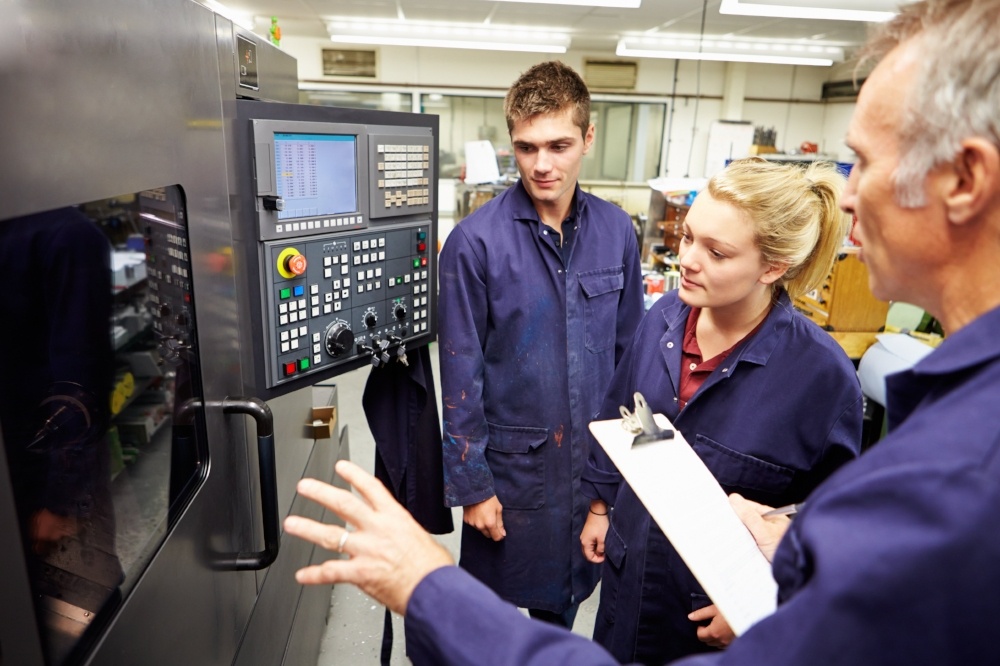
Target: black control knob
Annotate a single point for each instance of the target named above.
(399, 311)
(371, 319)
(339, 339)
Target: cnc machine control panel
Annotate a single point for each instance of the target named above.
(345, 224)
(335, 297)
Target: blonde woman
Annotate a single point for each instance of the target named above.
(768, 400)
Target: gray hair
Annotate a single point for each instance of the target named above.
(956, 92)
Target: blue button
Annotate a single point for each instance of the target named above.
(299, 290)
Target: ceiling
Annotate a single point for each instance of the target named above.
(594, 29)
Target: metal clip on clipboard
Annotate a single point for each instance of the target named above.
(641, 423)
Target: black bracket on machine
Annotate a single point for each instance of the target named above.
(384, 351)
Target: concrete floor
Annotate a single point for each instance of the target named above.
(354, 625)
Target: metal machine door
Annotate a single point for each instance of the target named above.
(105, 424)
(125, 494)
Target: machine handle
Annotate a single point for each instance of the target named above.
(261, 413)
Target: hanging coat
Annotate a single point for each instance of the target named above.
(528, 344)
(401, 408)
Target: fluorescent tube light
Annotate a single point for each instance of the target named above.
(744, 8)
(687, 47)
(618, 4)
(446, 43)
(448, 35)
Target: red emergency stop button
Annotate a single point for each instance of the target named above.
(296, 264)
(289, 369)
(291, 263)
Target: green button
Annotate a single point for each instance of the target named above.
(416, 263)
(285, 293)
(303, 364)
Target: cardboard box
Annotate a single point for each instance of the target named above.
(323, 423)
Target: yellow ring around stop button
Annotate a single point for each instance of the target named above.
(285, 258)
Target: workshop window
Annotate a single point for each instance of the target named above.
(628, 142)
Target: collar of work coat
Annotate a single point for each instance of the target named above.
(757, 349)
(523, 208)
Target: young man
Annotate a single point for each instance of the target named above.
(540, 292)
(895, 558)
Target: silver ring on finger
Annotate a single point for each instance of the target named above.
(343, 541)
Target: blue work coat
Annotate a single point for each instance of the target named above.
(528, 345)
(780, 414)
(894, 561)
(401, 410)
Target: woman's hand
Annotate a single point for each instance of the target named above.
(594, 532)
(717, 632)
(767, 532)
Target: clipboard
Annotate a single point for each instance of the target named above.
(689, 505)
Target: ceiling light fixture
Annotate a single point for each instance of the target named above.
(687, 47)
(618, 4)
(824, 9)
(449, 35)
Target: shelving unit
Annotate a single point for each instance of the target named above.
(844, 303)
(663, 227)
(845, 306)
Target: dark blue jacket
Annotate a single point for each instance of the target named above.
(528, 345)
(895, 559)
(777, 417)
(401, 409)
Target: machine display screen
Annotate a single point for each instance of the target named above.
(316, 174)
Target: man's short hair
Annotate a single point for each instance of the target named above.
(548, 87)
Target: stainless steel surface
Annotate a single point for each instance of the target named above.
(284, 621)
(106, 97)
(292, 414)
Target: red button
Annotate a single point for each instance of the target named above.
(296, 264)
(423, 261)
(421, 247)
(289, 368)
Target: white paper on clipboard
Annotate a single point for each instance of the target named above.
(691, 508)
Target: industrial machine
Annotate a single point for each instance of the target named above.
(190, 259)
